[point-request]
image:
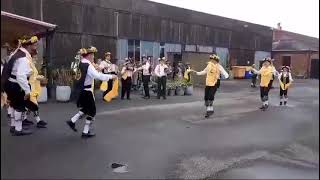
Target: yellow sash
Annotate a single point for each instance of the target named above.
(35, 84)
(266, 76)
(114, 91)
(212, 74)
(104, 86)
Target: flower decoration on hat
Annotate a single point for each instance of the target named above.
(28, 40)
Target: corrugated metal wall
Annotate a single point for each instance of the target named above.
(93, 22)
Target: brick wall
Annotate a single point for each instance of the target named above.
(300, 62)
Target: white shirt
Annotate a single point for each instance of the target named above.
(145, 69)
(129, 72)
(159, 70)
(22, 70)
(221, 69)
(105, 66)
(92, 74)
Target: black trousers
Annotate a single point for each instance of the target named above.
(264, 93)
(283, 93)
(162, 82)
(86, 103)
(15, 96)
(270, 83)
(146, 80)
(210, 92)
(126, 87)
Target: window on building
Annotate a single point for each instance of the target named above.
(137, 50)
(134, 49)
(130, 48)
(162, 50)
(286, 61)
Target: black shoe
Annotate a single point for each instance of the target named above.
(41, 124)
(164, 98)
(158, 97)
(72, 125)
(88, 135)
(285, 103)
(207, 115)
(128, 98)
(26, 122)
(12, 128)
(262, 107)
(280, 103)
(21, 133)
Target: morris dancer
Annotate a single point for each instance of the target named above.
(86, 101)
(15, 78)
(266, 72)
(213, 71)
(285, 80)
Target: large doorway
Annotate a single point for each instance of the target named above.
(314, 72)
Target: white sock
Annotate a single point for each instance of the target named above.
(10, 110)
(208, 108)
(77, 117)
(18, 120)
(86, 127)
(37, 118)
(211, 108)
(25, 116)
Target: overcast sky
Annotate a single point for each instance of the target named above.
(300, 16)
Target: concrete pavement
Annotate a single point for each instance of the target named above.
(171, 139)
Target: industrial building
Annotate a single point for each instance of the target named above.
(132, 28)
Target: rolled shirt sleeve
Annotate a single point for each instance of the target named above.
(203, 72)
(92, 72)
(23, 70)
(223, 72)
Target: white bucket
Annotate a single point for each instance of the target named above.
(63, 93)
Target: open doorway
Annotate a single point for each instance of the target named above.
(286, 61)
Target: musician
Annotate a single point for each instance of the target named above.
(212, 71)
(161, 71)
(108, 68)
(126, 78)
(146, 72)
(86, 101)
